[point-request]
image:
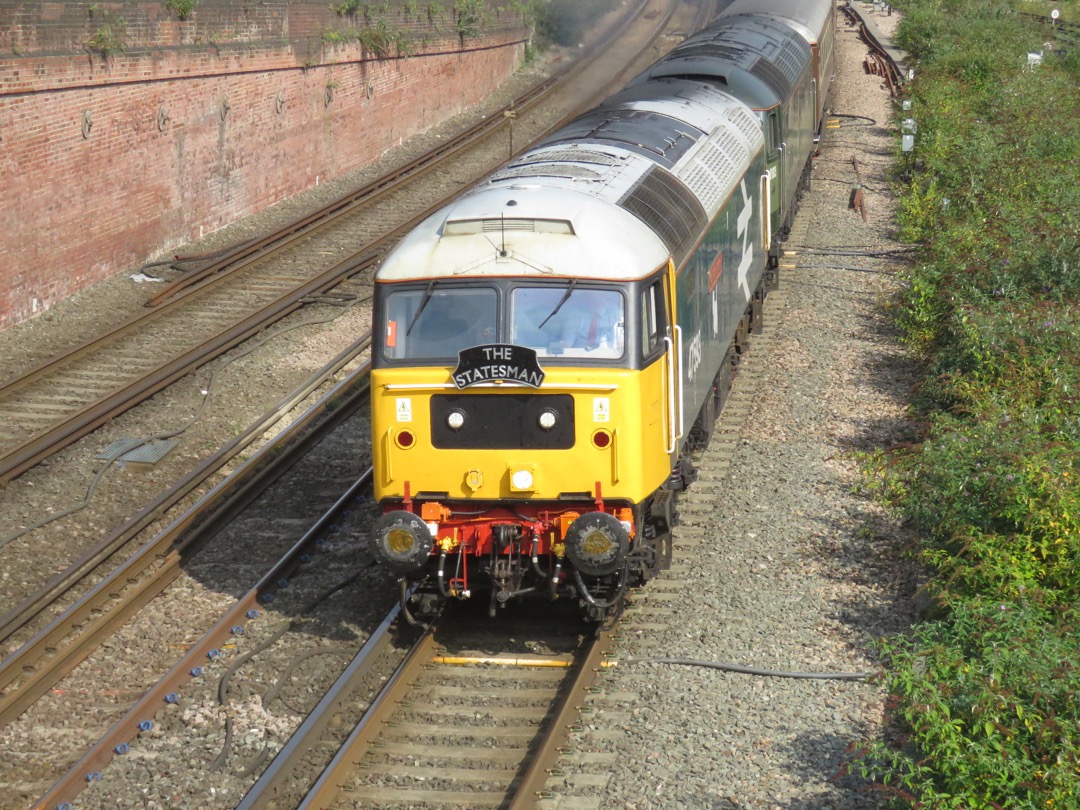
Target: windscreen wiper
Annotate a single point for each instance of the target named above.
(558, 306)
(424, 303)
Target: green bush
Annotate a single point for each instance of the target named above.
(985, 692)
(989, 697)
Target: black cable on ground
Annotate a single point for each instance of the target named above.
(262, 646)
(63, 512)
(849, 115)
(814, 251)
(772, 673)
(851, 269)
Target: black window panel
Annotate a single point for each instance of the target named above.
(502, 422)
(666, 205)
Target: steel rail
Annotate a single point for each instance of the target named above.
(553, 744)
(44, 660)
(521, 790)
(268, 789)
(128, 727)
(888, 62)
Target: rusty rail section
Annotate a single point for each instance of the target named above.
(883, 60)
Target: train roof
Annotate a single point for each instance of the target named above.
(808, 17)
(543, 230)
(758, 59)
(652, 165)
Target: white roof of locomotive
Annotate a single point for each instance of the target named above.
(808, 17)
(554, 211)
(527, 230)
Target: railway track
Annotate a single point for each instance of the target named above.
(192, 665)
(186, 305)
(468, 719)
(38, 666)
(881, 60)
(208, 312)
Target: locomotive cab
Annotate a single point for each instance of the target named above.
(518, 425)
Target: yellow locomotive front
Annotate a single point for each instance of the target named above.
(522, 428)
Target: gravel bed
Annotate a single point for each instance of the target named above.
(779, 564)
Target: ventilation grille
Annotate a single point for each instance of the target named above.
(715, 169)
(730, 54)
(572, 155)
(792, 59)
(662, 202)
(567, 170)
(772, 76)
(463, 227)
(746, 123)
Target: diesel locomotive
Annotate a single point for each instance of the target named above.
(552, 346)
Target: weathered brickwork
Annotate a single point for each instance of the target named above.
(109, 156)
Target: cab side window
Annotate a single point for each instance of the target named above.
(653, 319)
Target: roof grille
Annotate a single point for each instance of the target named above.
(772, 76)
(464, 227)
(568, 170)
(662, 202)
(570, 155)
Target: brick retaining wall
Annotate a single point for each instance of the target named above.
(110, 156)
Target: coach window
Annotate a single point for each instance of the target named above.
(653, 319)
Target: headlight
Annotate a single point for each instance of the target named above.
(455, 419)
(547, 419)
(522, 480)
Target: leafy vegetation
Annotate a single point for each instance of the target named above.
(183, 8)
(109, 39)
(985, 689)
(468, 17)
(562, 22)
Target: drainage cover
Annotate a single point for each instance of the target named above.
(137, 452)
